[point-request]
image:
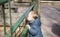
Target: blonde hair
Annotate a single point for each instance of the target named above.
(34, 14)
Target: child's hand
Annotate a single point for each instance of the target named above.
(28, 26)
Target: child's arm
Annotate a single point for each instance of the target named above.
(33, 30)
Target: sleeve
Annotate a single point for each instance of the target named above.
(33, 30)
(35, 27)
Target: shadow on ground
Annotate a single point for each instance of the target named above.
(56, 29)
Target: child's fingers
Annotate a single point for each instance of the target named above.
(28, 26)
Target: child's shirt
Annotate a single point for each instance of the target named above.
(35, 30)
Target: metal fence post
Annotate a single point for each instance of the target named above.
(10, 17)
(4, 18)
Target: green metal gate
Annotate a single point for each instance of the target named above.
(15, 26)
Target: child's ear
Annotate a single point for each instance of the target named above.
(35, 16)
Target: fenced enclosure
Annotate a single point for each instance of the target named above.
(12, 32)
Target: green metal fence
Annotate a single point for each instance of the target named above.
(17, 24)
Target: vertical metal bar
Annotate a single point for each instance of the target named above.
(4, 19)
(33, 7)
(35, 2)
(10, 17)
(36, 5)
(39, 8)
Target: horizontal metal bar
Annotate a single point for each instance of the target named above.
(23, 2)
(3, 25)
(48, 1)
(8, 26)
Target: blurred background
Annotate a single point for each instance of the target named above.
(49, 10)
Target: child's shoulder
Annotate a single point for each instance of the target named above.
(37, 19)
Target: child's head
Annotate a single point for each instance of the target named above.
(32, 16)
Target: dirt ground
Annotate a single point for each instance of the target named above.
(50, 18)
